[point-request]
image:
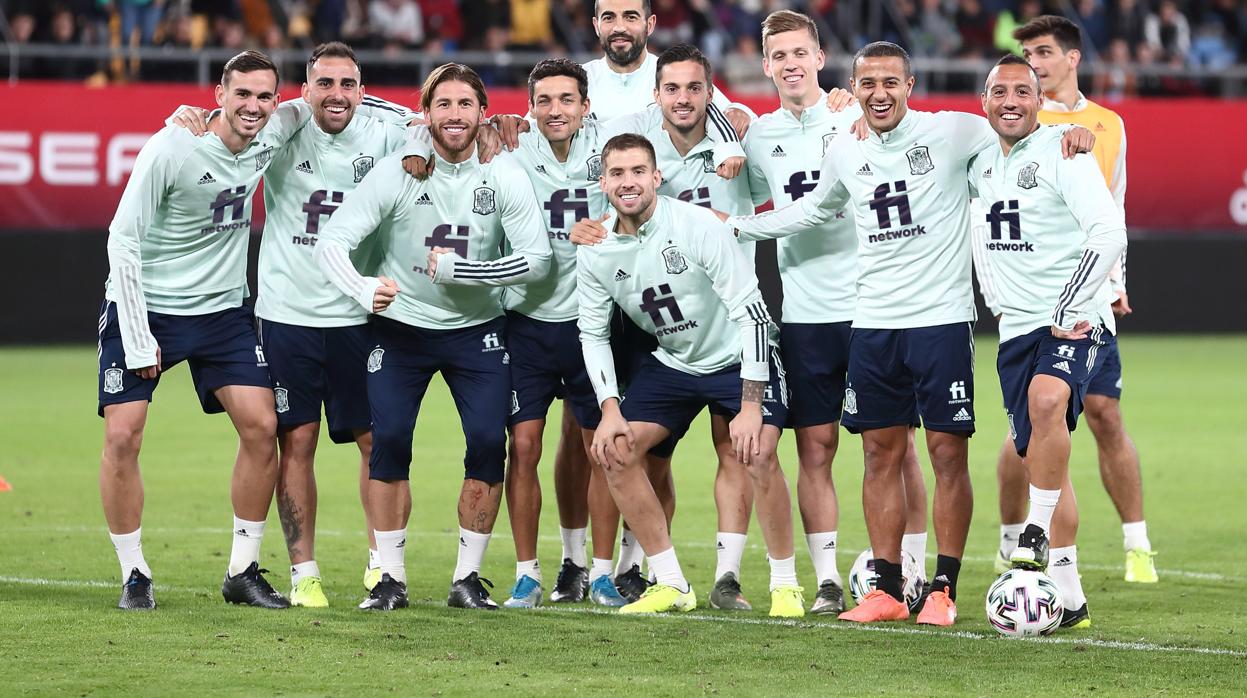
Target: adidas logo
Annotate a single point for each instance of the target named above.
(962, 415)
(1061, 366)
(1063, 562)
(207, 179)
(424, 200)
(304, 167)
(1099, 126)
(865, 171)
(540, 168)
(765, 411)
(719, 546)
(942, 577)
(987, 174)
(463, 542)
(831, 545)
(778, 152)
(242, 532)
(621, 275)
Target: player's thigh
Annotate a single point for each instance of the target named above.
(662, 395)
(297, 363)
(1106, 381)
(578, 393)
(1072, 362)
(117, 383)
(1015, 363)
(479, 379)
(816, 358)
(722, 392)
(227, 352)
(880, 390)
(400, 365)
(535, 379)
(941, 360)
(346, 379)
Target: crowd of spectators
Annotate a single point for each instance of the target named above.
(1120, 34)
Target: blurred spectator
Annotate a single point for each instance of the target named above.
(1094, 20)
(1213, 44)
(480, 16)
(442, 20)
(530, 24)
(500, 73)
(143, 15)
(328, 18)
(1125, 21)
(674, 24)
(1008, 19)
(1168, 32)
(742, 69)
(934, 34)
(62, 31)
(573, 30)
(1118, 80)
(975, 26)
(230, 34)
(396, 23)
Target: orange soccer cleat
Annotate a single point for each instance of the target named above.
(877, 606)
(938, 609)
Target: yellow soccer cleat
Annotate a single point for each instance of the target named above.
(1139, 567)
(663, 598)
(787, 602)
(372, 575)
(309, 593)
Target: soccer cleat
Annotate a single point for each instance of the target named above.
(386, 595)
(829, 599)
(136, 593)
(1140, 568)
(572, 586)
(938, 609)
(787, 602)
(470, 592)
(662, 598)
(251, 588)
(309, 593)
(372, 575)
(526, 593)
(632, 584)
(1032, 550)
(603, 593)
(877, 606)
(921, 598)
(1076, 619)
(1002, 564)
(726, 595)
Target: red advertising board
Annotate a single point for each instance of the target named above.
(66, 151)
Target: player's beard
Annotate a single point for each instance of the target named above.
(469, 134)
(628, 56)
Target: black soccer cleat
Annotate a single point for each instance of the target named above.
(251, 588)
(572, 585)
(386, 595)
(136, 593)
(470, 592)
(829, 600)
(1032, 550)
(1078, 618)
(921, 598)
(632, 584)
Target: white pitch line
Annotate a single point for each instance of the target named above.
(769, 622)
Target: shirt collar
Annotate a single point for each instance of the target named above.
(454, 169)
(902, 129)
(1054, 105)
(810, 113)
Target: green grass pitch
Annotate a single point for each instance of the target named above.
(59, 579)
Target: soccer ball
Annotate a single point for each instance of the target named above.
(862, 578)
(1024, 603)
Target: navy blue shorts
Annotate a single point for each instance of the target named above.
(632, 346)
(220, 347)
(474, 363)
(816, 357)
(1106, 380)
(312, 366)
(663, 395)
(547, 362)
(1074, 361)
(898, 376)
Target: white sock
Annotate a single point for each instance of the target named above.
(374, 559)
(823, 554)
(532, 568)
(392, 553)
(1043, 504)
(1063, 568)
(730, 548)
(303, 569)
(667, 570)
(1009, 538)
(471, 553)
(630, 553)
(783, 572)
(600, 567)
(574, 544)
(129, 547)
(246, 548)
(916, 544)
(1135, 536)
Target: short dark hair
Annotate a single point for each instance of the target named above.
(558, 67)
(1014, 59)
(629, 141)
(678, 54)
(332, 49)
(883, 49)
(645, 9)
(1067, 34)
(248, 62)
(452, 72)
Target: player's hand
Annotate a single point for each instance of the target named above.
(488, 144)
(418, 167)
(434, 255)
(1121, 306)
(1077, 140)
(607, 450)
(384, 295)
(730, 167)
(839, 99)
(1081, 328)
(192, 119)
(746, 431)
(589, 231)
(739, 119)
(150, 372)
(860, 128)
(509, 127)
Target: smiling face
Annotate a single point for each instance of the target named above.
(247, 100)
(334, 90)
(792, 60)
(558, 107)
(683, 94)
(630, 181)
(1011, 100)
(623, 29)
(882, 88)
(454, 116)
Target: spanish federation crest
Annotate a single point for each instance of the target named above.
(1026, 177)
(919, 160)
(676, 264)
(262, 158)
(483, 201)
(850, 401)
(827, 139)
(594, 165)
(282, 399)
(707, 162)
(362, 165)
(374, 360)
(112, 380)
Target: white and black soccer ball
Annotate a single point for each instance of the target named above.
(862, 577)
(1024, 603)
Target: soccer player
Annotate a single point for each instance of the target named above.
(677, 273)
(1053, 45)
(911, 352)
(438, 297)
(1055, 234)
(177, 255)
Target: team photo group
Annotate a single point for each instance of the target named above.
(599, 250)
